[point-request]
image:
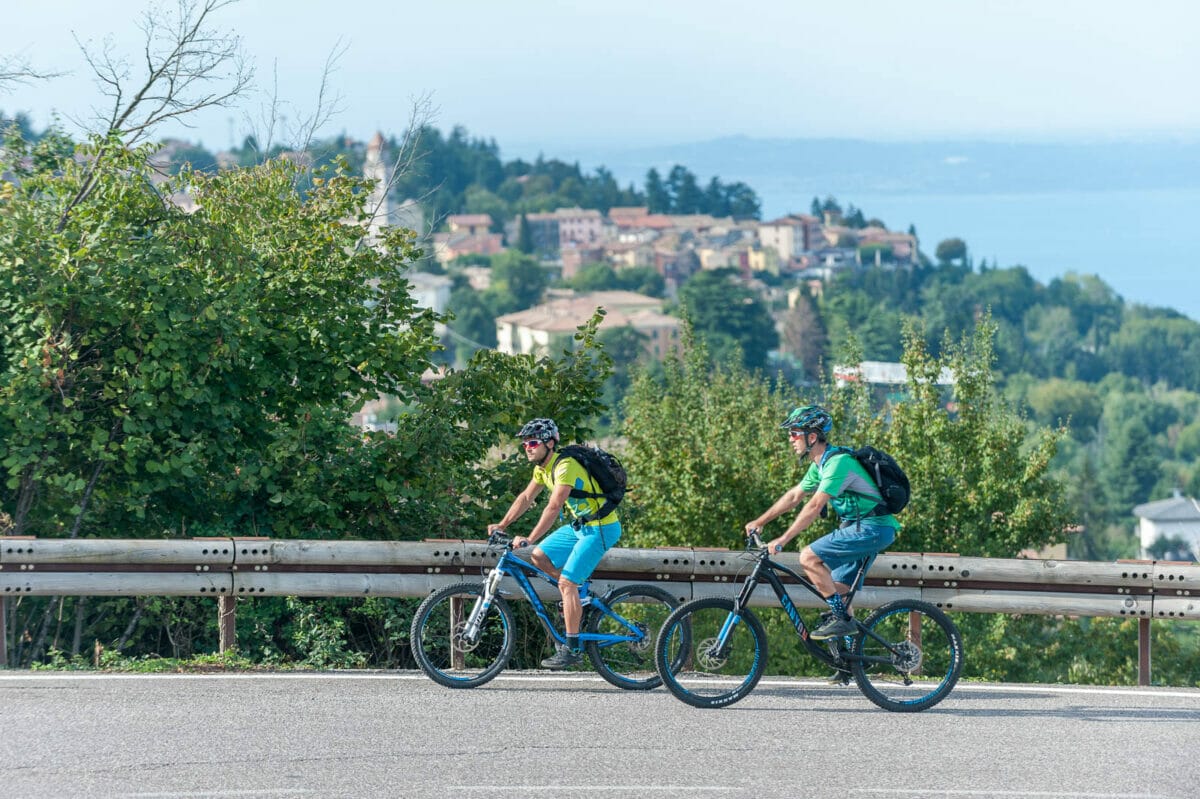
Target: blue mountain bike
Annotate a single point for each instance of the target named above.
(905, 656)
(463, 635)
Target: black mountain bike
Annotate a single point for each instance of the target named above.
(905, 656)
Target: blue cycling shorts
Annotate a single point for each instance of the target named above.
(846, 547)
(577, 552)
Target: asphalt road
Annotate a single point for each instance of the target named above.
(366, 734)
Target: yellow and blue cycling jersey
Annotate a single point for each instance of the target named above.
(569, 472)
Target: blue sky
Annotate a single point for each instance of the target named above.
(631, 72)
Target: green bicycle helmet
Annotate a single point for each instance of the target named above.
(809, 417)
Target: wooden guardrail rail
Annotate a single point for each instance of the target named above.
(228, 568)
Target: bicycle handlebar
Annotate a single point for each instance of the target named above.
(500, 538)
(753, 541)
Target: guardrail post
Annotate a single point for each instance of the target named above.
(227, 622)
(458, 659)
(914, 630)
(3, 633)
(1143, 651)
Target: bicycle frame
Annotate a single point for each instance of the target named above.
(522, 571)
(834, 654)
(767, 570)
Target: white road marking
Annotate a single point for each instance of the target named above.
(573, 678)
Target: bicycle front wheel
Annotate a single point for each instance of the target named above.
(442, 650)
(629, 664)
(723, 655)
(909, 657)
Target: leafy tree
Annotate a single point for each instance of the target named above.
(855, 316)
(1062, 402)
(686, 195)
(804, 336)
(722, 309)
(658, 198)
(741, 202)
(703, 451)
(524, 236)
(150, 360)
(518, 281)
(951, 250)
(626, 347)
(471, 319)
(594, 277)
(1130, 468)
(1157, 347)
(193, 156)
(602, 277)
(977, 489)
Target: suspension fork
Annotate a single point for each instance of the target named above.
(482, 604)
(739, 605)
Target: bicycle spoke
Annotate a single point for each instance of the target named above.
(910, 658)
(446, 653)
(722, 655)
(637, 613)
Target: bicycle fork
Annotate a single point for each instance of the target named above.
(721, 642)
(470, 630)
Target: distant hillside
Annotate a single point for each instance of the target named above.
(848, 167)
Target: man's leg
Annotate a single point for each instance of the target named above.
(557, 548)
(812, 559)
(816, 570)
(542, 561)
(589, 548)
(842, 551)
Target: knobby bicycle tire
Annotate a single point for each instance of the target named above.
(440, 652)
(710, 678)
(629, 665)
(921, 662)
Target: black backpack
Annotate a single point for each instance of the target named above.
(605, 470)
(889, 478)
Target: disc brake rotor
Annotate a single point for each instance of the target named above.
(907, 657)
(460, 642)
(708, 656)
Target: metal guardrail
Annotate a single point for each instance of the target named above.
(228, 568)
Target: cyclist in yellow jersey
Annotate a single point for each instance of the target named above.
(571, 552)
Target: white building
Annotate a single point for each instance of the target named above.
(551, 326)
(1177, 517)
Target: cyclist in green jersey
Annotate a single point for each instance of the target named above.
(836, 479)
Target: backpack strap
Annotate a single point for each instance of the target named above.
(606, 507)
(880, 508)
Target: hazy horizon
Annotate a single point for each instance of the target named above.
(673, 71)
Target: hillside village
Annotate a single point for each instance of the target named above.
(801, 250)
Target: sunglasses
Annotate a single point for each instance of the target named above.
(534, 444)
(797, 433)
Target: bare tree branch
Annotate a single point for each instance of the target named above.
(408, 154)
(16, 69)
(327, 107)
(187, 67)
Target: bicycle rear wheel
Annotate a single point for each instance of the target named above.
(711, 675)
(909, 658)
(437, 639)
(629, 664)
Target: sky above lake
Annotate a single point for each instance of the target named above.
(621, 72)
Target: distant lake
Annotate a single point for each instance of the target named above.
(1117, 210)
(1134, 240)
